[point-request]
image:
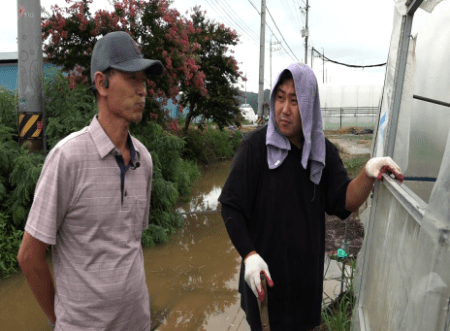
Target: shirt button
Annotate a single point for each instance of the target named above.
(125, 193)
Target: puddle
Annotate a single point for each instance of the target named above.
(192, 279)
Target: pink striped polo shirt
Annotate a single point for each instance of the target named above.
(97, 253)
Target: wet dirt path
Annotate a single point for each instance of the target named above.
(192, 279)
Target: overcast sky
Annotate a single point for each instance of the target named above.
(350, 31)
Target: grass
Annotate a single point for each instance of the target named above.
(338, 315)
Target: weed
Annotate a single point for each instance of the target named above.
(10, 239)
(337, 316)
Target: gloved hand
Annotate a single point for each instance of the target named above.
(376, 166)
(254, 266)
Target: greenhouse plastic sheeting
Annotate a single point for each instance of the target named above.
(429, 122)
(428, 5)
(405, 283)
(389, 81)
(403, 269)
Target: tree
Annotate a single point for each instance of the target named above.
(221, 71)
(184, 47)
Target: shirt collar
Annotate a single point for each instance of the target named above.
(104, 144)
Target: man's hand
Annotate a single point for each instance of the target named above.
(376, 166)
(254, 266)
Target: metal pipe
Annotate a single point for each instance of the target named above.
(437, 102)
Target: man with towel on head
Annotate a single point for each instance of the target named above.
(283, 179)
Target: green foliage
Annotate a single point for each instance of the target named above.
(8, 106)
(220, 140)
(221, 73)
(68, 110)
(10, 239)
(337, 316)
(24, 177)
(194, 148)
(188, 172)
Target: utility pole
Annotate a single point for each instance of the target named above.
(306, 33)
(323, 66)
(261, 59)
(272, 49)
(246, 94)
(30, 65)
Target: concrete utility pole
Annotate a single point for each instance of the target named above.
(323, 66)
(272, 49)
(30, 64)
(261, 59)
(305, 32)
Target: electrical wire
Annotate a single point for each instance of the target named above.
(294, 16)
(299, 15)
(273, 32)
(248, 29)
(288, 10)
(347, 65)
(281, 33)
(228, 22)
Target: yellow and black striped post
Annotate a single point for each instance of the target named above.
(31, 130)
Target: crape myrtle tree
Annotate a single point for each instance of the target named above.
(190, 50)
(221, 71)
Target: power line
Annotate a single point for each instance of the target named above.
(248, 29)
(299, 16)
(218, 11)
(348, 65)
(237, 19)
(289, 14)
(281, 33)
(274, 33)
(231, 18)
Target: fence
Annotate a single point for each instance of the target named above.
(337, 117)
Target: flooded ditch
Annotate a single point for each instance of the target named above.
(192, 279)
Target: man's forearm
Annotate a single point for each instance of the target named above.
(358, 191)
(40, 281)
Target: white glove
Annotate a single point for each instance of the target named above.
(254, 266)
(376, 166)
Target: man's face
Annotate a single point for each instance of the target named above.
(126, 94)
(287, 114)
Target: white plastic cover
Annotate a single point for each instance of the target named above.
(428, 5)
(389, 81)
(427, 75)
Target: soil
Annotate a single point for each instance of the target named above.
(335, 233)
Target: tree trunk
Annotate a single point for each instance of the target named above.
(188, 120)
(189, 115)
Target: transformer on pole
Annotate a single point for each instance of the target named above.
(30, 71)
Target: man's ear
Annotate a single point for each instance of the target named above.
(100, 79)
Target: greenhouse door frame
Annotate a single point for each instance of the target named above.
(414, 205)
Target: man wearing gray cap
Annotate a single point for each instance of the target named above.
(92, 208)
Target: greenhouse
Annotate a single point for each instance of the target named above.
(403, 268)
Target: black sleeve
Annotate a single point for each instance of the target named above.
(241, 186)
(237, 230)
(337, 180)
(239, 191)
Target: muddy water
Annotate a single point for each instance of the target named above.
(192, 279)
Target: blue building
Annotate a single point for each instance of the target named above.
(9, 77)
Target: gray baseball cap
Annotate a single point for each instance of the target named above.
(119, 51)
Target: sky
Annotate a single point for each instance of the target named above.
(351, 31)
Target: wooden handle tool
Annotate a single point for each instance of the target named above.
(264, 307)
